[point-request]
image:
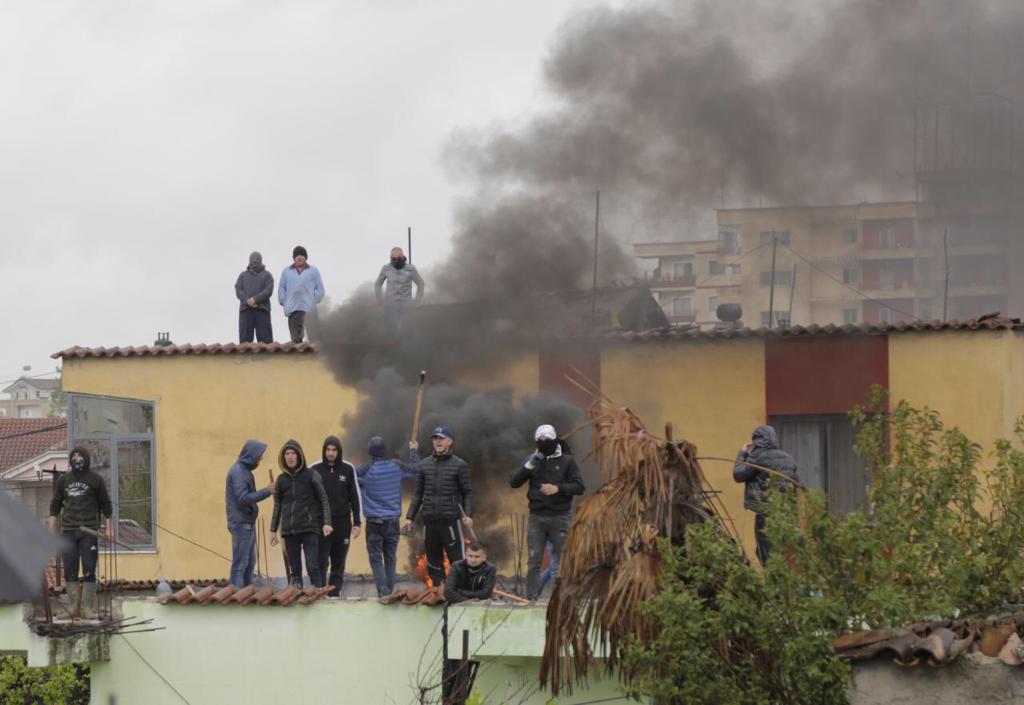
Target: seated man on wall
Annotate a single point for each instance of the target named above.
(472, 578)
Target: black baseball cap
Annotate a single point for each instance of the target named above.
(441, 432)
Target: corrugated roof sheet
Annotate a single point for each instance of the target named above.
(24, 439)
(186, 349)
(829, 330)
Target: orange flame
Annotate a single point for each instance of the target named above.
(421, 569)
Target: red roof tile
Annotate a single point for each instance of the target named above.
(829, 330)
(186, 349)
(24, 439)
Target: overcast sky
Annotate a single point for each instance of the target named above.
(148, 147)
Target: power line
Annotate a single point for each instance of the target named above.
(18, 379)
(854, 289)
(158, 674)
(188, 540)
(34, 431)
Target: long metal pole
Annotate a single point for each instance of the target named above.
(771, 294)
(945, 261)
(410, 244)
(792, 289)
(593, 287)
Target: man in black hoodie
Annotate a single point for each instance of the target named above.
(444, 494)
(339, 480)
(763, 450)
(80, 498)
(301, 514)
(254, 288)
(554, 480)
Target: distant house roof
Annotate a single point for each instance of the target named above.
(46, 385)
(813, 331)
(200, 349)
(24, 439)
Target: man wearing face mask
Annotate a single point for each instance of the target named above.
(554, 480)
(80, 498)
(253, 288)
(400, 275)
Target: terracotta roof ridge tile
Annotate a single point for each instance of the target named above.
(79, 352)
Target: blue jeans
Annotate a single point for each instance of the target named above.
(382, 546)
(551, 572)
(541, 530)
(243, 553)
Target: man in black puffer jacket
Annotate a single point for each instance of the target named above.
(472, 578)
(554, 480)
(301, 514)
(763, 450)
(442, 487)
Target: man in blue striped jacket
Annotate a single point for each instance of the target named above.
(380, 482)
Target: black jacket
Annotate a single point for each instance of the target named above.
(559, 470)
(441, 486)
(80, 497)
(339, 482)
(465, 583)
(766, 453)
(300, 504)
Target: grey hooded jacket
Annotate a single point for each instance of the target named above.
(399, 283)
(240, 493)
(766, 452)
(256, 283)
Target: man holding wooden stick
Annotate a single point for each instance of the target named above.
(763, 450)
(240, 500)
(443, 493)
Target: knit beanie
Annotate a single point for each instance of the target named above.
(299, 250)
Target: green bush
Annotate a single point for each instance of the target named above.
(54, 685)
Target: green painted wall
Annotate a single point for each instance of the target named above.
(330, 652)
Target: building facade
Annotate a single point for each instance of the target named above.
(28, 398)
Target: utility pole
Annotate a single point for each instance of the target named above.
(945, 261)
(771, 293)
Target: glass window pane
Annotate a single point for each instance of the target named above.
(135, 492)
(95, 415)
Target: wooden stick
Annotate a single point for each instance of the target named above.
(509, 596)
(419, 407)
(472, 534)
(776, 473)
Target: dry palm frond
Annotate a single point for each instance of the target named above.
(609, 565)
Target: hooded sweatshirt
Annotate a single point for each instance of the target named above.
(340, 483)
(380, 481)
(80, 496)
(300, 505)
(766, 452)
(240, 493)
(256, 283)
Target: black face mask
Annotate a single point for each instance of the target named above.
(398, 262)
(547, 446)
(77, 464)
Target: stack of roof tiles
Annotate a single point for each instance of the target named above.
(249, 595)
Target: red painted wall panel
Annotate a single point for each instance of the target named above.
(823, 375)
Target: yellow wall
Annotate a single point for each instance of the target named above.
(712, 392)
(966, 376)
(206, 406)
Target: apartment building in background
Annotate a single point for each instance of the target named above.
(28, 398)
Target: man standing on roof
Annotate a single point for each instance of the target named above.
(763, 450)
(80, 499)
(301, 514)
(300, 290)
(472, 578)
(380, 482)
(443, 493)
(554, 480)
(240, 499)
(253, 288)
(400, 275)
(339, 480)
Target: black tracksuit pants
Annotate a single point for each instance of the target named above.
(79, 547)
(334, 551)
(442, 537)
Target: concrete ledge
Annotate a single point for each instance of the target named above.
(970, 680)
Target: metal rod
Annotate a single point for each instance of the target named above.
(771, 293)
(410, 244)
(945, 261)
(593, 288)
(792, 290)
